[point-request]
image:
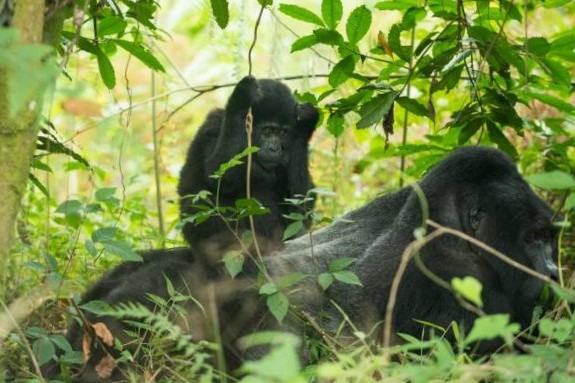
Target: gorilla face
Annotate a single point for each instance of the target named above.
(279, 123)
(273, 141)
(512, 219)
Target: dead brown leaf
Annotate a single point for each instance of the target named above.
(106, 366)
(103, 333)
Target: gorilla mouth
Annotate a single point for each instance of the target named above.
(267, 161)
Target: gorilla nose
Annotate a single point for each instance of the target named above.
(552, 268)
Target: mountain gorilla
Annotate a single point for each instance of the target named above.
(476, 191)
(282, 129)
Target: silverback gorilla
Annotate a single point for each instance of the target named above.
(282, 129)
(476, 191)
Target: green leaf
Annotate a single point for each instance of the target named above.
(553, 101)
(221, 12)
(413, 106)
(304, 42)
(96, 307)
(556, 71)
(329, 37)
(490, 327)
(29, 70)
(278, 305)
(340, 264)
(341, 71)
(335, 123)
(268, 289)
(281, 362)
(106, 69)
(394, 40)
(537, 46)
(563, 293)
(331, 11)
(300, 13)
(292, 230)
(291, 279)
(347, 277)
(234, 161)
(44, 350)
(560, 330)
(141, 53)
(497, 137)
(358, 24)
(70, 207)
(234, 262)
(469, 288)
(398, 5)
(122, 249)
(105, 194)
(325, 280)
(111, 25)
(104, 234)
(376, 110)
(246, 207)
(555, 179)
(90, 247)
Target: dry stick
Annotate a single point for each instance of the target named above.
(491, 250)
(411, 249)
(249, 131)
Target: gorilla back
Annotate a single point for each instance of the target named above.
(281, 130)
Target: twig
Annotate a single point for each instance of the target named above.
(250, 51)
(249, 131)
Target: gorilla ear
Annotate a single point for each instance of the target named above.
(307, 116)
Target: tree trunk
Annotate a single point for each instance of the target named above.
(17, 134)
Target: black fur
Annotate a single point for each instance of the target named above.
(476, 191)
(282, 129)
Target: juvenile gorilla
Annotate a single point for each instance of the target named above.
(282, 129)
(476, 191)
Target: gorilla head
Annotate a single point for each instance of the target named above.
(478, 192)
(279, 121)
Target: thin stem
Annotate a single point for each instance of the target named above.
(254, 39)
(157, 165)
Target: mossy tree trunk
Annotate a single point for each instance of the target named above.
(18, 133)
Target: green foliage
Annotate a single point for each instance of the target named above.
(469, 288)
(280, 364)
(30, 70)
(221, 12)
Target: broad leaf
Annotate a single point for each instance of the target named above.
(221, 12)
(300, 13)
(331, 11)
(358, 24)
(342, 71)
(555, 179)
(141, 53)
(376, 110)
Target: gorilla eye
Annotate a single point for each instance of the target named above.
(475, 216)
(539, 236)
(266, 131)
